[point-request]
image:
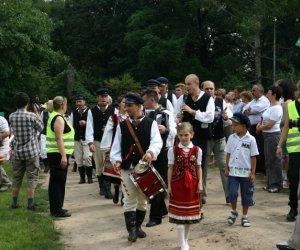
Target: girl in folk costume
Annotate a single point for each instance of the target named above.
(185, 183)
(108, 137)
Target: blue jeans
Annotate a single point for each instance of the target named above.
(247, 190)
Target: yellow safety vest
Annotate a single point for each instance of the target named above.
(68, 138)
(293, 138)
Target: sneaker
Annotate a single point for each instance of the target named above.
(232, 217)
(284, 246)
(3, 189)
(245, 222)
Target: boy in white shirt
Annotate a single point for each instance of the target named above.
(240, 167)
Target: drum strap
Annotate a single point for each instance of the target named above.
(134, 137)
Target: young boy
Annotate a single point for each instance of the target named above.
(241, 151)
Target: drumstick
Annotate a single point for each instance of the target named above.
(123, 183)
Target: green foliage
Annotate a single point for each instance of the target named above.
(122, 85)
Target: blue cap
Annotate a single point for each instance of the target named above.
(133, 99)
(80, 97)
(153, 82)
(102, 91)
(163, 80)
(241, 118)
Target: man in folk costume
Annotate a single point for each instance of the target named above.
(198, 108)
(96, 121)
(82, 154)
(167, 128)
(125, 155)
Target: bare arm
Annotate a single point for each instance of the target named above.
(170, 172)
(199, 174)
(59, 125)
(253, 167)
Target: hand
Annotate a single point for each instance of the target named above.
(162, 129)
(279, 152)
(82, 122)
(224, 114)
(147, 157)
(252, 177)
(247, 112)
(2, 158)
(186, 108)
(226, 172)
(117, 166)
(179, 115)
(199, 188)
(64, 162)
(170, 191)
(92, 147)
(258, 127)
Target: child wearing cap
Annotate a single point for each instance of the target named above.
(240, 167)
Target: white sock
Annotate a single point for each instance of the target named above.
(181, 235)
(186, 234)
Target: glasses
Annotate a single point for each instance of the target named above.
(209, 89)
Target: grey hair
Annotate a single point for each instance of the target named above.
(260, 87)
(59, 102)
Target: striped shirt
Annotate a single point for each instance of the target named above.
(25, 126)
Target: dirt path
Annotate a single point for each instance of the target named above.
(97, 223)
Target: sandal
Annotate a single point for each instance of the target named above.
(245, 222)
(232, 217)
(274, 190)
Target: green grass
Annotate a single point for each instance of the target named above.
(23, 229)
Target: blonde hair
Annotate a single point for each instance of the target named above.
(59, 102)
(247, 95)
(185, 126)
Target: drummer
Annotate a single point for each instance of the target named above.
(125, 155)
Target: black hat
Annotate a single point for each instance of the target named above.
(241, 118)
(102, 91)
(133, 99)
(153, 82)
(163, 80)
(80, 97)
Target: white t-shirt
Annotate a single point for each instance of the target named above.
(241, 149)
(4, 128)
(185, 149)
(273, 113)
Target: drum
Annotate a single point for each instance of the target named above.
(109, 173)
(149, 182)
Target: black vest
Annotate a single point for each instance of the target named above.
(201, 104)
(130, 152)
(217, 128)
(163, 119)
(79, 130)
(45, 121)
(100, 119)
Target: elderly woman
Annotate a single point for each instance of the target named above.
(59, 146)
(270, 127)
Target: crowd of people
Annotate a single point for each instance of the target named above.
(169, 136)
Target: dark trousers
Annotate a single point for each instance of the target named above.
(57, 185)
(260, 164)
(293, 176)
(158, 206)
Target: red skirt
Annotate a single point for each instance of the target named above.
(184, 205)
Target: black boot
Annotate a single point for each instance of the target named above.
(130, 219)
(107, 189)
(116, 194)
(292, 214)
(89, 174)
(81, 174)
(122, 197)
(46, 164)
(140, 216)
(74, 167)
(101, 186)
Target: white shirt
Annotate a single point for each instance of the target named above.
(241, 149)
(108, 134)
(204, 117)
(257, 107)
(273, 113)
(155, 143)
(4, 128)
(89, 132)
(171, 158)
(174, 100)
(238, 106)
(171, 127)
